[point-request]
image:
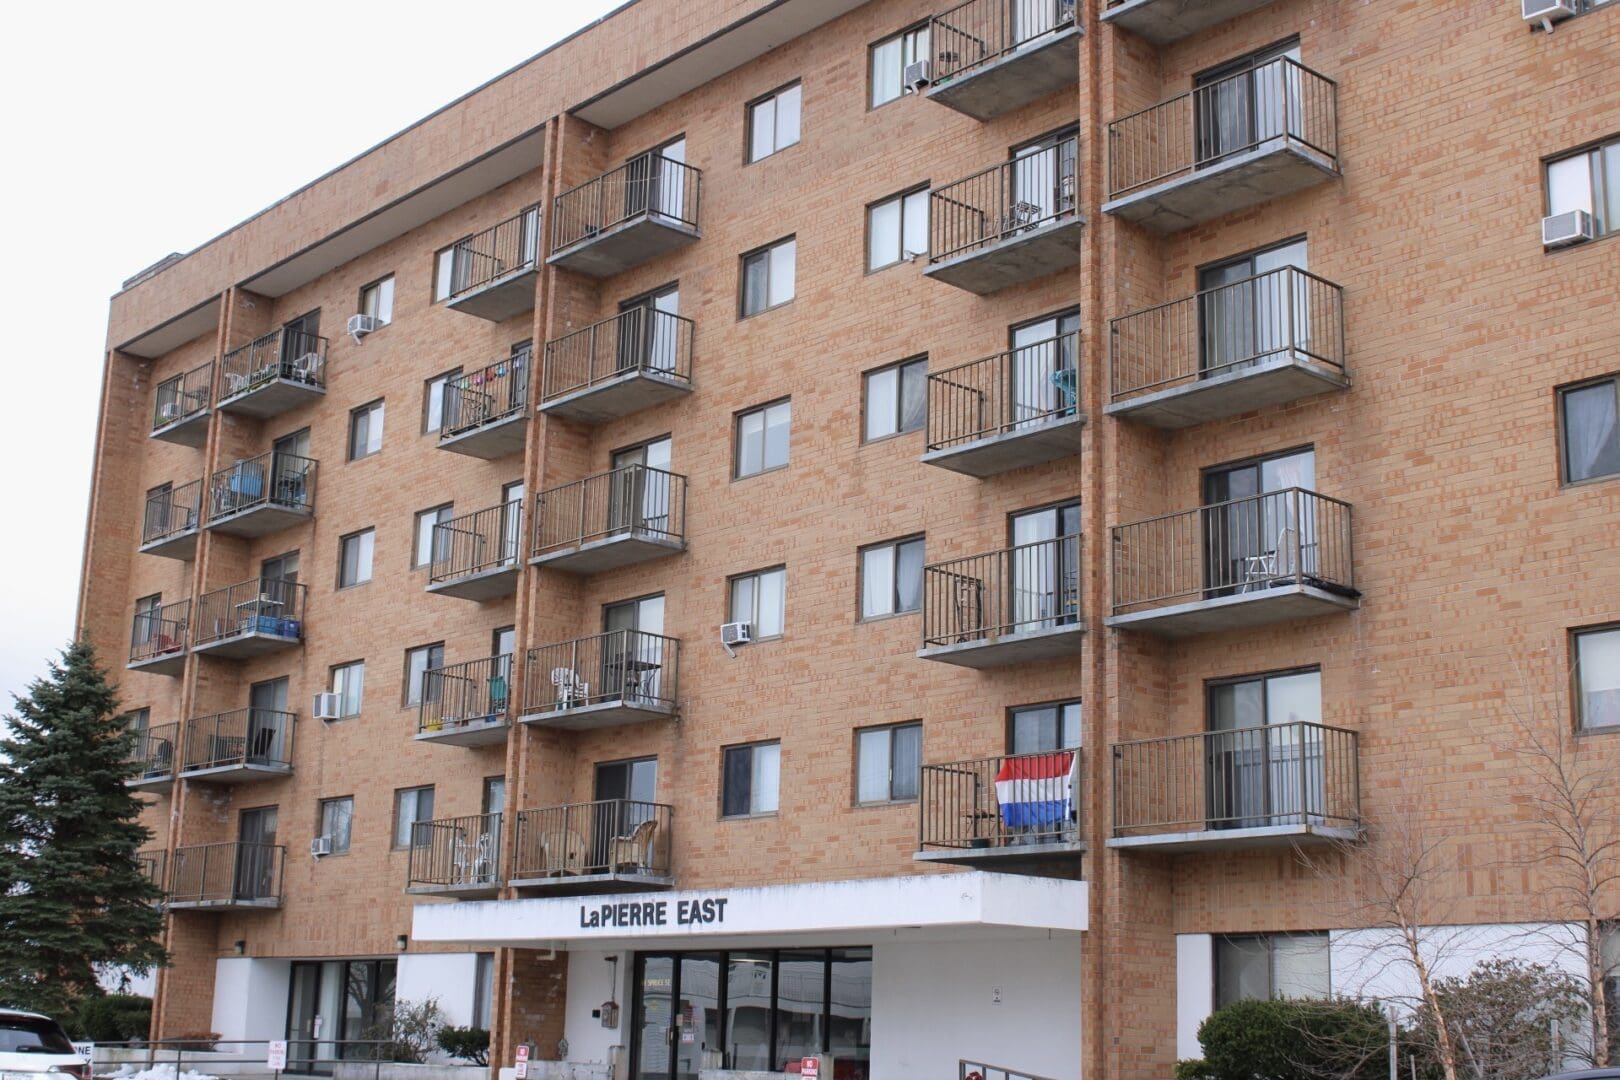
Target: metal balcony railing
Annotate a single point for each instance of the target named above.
(631, 667)
(1293, 773)
(473, 543)
(1016, 590)
(1003, 801)
(232, 872)
(510, 247)
(650, 185)
(172, 511)
(1003, 201)
(259, 605)
(637, 340)
(1000, 394)
(610, 836)
(275, 479)
(160, 632)
(460, 851)
(151, 865)
(183, 396)
(280, 354)
(478, 691)
(1278, 102)
(633, 500)
(154, 751)
(1221, 331)
(1242, 546)
(261, 737)
(487, 395)
(982, 31)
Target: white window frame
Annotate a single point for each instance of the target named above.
(760, 803)
(328, 818)
(349, 684)
(880, 564)
(422, 542)
(377, 300)
(891, 425)
(1590, 645)
(744, 591)
(911, 45)
(868, 740)
(767, 114)
(909, 213)
(365, 557)
(433, 400)
(415, 678)
(1597, 192)
(780, 411)
(404, 826)
(780, 259)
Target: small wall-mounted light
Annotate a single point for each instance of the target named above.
(400, 942)
(240, 948)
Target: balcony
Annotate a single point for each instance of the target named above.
(640, 211)
(173, 517)
(153, 756)
(1004, 607)
(478, 556)
(252, 618)
(633, 361)
(233, 876)
(157, 639)
(466, 704)
(273, 374)
(1254, 344)
(242, 746)
(1164, 21)
(1008, 411)
(457, 857)
(152, 865)
(612, 845)
(989, 60)
(1261, 559)
(493, 273)
(1251, 137)
(620, 677)
(1009, 224)
(486, 413)
(613, 519)
(180, 414)
(262, 495)
(1012, 813)
(1242, 788)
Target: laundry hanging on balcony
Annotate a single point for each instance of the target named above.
(1037, 790)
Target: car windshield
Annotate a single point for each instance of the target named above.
(32, 1035)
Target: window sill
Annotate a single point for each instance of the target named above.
(356, 585)
(762, 472)
(890, 617)
(750, 817)
(778, 152)
(1567, 248)
(1607, 478)
(744, 316)
(890, 437)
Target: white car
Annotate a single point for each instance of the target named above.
(33, 1044)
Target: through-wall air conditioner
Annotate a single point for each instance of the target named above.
(361, 325)
(1570, 227)
(736, 633)
(328, 707)
(1546, 12)
(321, 845)
(918, 75)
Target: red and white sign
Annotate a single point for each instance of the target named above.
(521, 1070)
(809, 1067)
(523, 1052)
(275, 1058)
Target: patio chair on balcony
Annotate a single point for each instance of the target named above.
(562, 853)
(633, 852)
(304, 367)
(571, 689)
(473, 859)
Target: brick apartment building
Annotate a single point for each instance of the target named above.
(830, 556)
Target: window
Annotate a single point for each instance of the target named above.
(444, 273)
(418, 662)
(1597, 677)
(762, 438)
(410, 806)
(433, 400)
(891, 578)
(377, 300)
(428, 549)
(897, 229)
(897, 398)
(767, 276)
(889, 59)
(337, 821)
(1263, 966)
(773, 123)
(887, 763)
(483, 990)
(1588, 180)
(752, 779)
(139, 722)
(354, 558)
(758, 599)
(148, 618)
(1039, 729)
(365, 431)
(1591, 418)
(349, 683)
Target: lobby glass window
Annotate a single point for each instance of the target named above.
(897, 229)
(762, 438)
(760, 599)
(425, 550)
(337, 822)
(897, 398)
(418, 662)
(887, 762)
(752, 780)
(1587, 180)
(891, 578)
(365, 430)
(335, 1001)
(410, 806)
(773, 122)
(433, 400)
(1597, 678)
(354, 557)
(1264, 966)
(768, 276)
(349, 684)
(889, 58)
(1590, 414)
(1039, 729)
(377, 300)
(483, 990)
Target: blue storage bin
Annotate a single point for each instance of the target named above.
(291, 628)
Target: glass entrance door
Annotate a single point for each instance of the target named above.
(1045, 575)
(313, 1024)
(678, 1017)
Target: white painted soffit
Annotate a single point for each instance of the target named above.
(922, 907)
(746, 39)
(200, 320)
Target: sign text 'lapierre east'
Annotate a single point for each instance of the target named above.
(654, 913)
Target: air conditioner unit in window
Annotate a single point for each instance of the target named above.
(736, 633)
(321, 845)
(917, 74)
(1570, 227)
(328, 706)
(1546, 12)
(361, 325)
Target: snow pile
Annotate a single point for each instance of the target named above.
(157, 1072)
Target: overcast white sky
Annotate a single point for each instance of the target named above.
(134, 130)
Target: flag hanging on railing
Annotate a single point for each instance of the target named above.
(1037, 790)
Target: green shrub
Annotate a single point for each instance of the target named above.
(1192, 1069)
(467, 1043)
(111, 1018)
(1295, 1040)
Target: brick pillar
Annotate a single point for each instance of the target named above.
(533, 1007)
(186, 1005)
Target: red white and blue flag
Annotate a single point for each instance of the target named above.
(1036, 791)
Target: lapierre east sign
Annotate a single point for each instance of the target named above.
(700, 912)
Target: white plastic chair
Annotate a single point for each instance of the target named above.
(571, 689)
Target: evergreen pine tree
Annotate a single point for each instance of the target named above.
(72, 896)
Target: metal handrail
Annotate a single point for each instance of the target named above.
(608, 836)
(1292, 773)
(273, 479)
(632, 667)
(487, 395)
(639, 339)
(184, 396)
(456, 851)
(151, 865)
(231, 871)
(281, 354)
(1286, 311)
(633, 500)
(240, 737)
(308, 1055)
(160, 632)
(476, 691)
(1280, 99)
(648, 186)
(1008, 800)
(1003, 201)
(486, 539)
(1000, 394)
(1015, 590)
(982, 31)
(505, 248)
(260, 605)
(1240, 546)
(171, 512)
(153, 750)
